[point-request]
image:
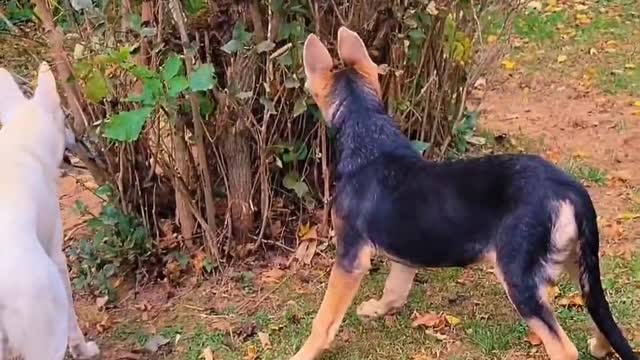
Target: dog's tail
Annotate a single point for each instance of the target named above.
(590, 283)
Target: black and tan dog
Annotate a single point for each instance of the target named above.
(519, 212)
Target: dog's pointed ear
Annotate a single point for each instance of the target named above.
(353, 53)
(47, 91)
(351, 48)
(10, 93)
(316, 58)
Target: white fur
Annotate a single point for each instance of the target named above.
(37, 317)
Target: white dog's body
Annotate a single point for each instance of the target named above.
(37, 319)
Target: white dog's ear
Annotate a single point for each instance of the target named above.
(47, 92)
(10, 94)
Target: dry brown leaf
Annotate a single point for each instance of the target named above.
(552, 292)
(207, 354)
(272, 276)
(533, 339)
(306, 250)
(428, 320)
(312, 234)
(574, 300)
(252, 353)
(264, 340)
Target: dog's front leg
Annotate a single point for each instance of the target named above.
(396, 291)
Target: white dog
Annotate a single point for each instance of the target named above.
(37, 318)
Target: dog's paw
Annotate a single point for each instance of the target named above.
(371, 309)
(88, 350)
(597, 349)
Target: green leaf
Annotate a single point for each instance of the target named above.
(268, 105)
(177, 85)
(203, 78)
(136, 22)
(82, 69)
(420, 146)
(105, 191)
(96, 86)
(300, 106)
(206, 106)
(172, 67)
(293, 182)
(265, 46)
(240, 33)
(142, 72)
(232, 46)
(152, 91)
(127, 125)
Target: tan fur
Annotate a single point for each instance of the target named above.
(396, 290)
(341, 290)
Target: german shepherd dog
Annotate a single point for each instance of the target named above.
(520, 212)
(37, 317)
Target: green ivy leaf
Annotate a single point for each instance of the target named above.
(293, 182)
(127, 125)
(300, 107)
(96, 86)
(203, 78)
(177, 85)
(172, 67)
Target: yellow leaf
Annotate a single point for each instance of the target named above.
(312, 234)
(628, 216)
(636, 103)
(552, 292)
(491, 39)
(303, 229)
(630, 66)
(252, 353)
(562, 58)
(452, 320)
(508, 64)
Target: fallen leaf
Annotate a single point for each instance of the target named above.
(628, 216)
(264, 340)
(636, 103)
(491, 39)
(533, 339)
(312, 234)
(272, 276)
(452, 320)
(574, 300)
(102, 301)
(630, 66)
(207, 354)
(252, 353)
(155, 343)
(306, 250)
(552, 292)
(428, 320)
(508, 64)
(534, 5)
(562, 58)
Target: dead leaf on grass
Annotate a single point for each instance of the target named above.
(272, 276)
(508, 64)
(452, 320)
(552, 292)
(562, 58)
(252, 353)
(574, 300)
(429, 320)
(306, 250)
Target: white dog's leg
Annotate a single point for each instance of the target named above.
(80, 348)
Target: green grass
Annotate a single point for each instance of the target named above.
(584, 172)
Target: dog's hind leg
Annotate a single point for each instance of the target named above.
(344, 282)
(79, 347)
(396, 291)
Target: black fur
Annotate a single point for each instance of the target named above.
(453, 213)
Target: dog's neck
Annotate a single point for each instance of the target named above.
(363, 128)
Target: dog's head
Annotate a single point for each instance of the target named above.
(42, 109)
(322, 82)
